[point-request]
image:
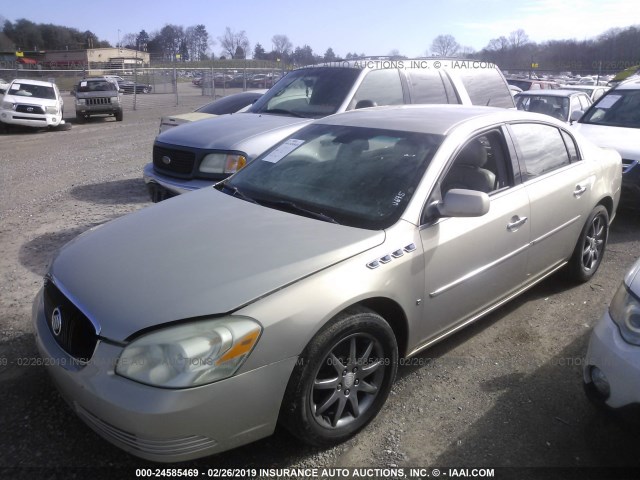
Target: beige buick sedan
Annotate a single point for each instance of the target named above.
(289, 292)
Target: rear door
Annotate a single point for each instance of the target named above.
(559, 184)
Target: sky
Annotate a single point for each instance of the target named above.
(372, 27)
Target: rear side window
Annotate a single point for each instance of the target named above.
(541, 149)
(427, 87)
(379, 87)
(485, 86)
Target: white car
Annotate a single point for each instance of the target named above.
(32, 103)
(3, 86)
(614, 122)
(612, 368)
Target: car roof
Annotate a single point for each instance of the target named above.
(630, 84)
(559, 92)
(433, 119)
(32, 82)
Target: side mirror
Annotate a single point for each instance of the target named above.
(575, 115)
(459, 202)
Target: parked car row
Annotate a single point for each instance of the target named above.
(258, 80)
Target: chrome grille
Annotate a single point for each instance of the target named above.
(99, 101)
(35, 109)
(70, 328)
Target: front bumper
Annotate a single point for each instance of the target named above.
(174, 185)
(30, 119)
(618, 360)
(161, 424)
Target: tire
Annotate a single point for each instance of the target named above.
(80, 118)
(119, 116)
(331, 395)
(590, 248)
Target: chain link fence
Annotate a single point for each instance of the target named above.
(157, 87)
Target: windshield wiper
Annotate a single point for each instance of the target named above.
(284, 112)
(286, 205)
(235, 192)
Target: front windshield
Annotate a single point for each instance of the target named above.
(308, 92)
(618, 108)
(29, 90)
(96, 86)
(356, 176)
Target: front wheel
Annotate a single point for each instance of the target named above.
(342, 379)
(119, 116)
(588, 253)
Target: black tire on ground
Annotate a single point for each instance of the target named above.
(591, 245)
(342, 378)
(80, 118)
(119, 116)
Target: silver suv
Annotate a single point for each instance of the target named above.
(97, 96)
(202, 153)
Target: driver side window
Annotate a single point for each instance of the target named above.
(480, 165)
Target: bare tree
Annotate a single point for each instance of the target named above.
(518, 38)
(281, 45)
(232, 42)
(445, 46)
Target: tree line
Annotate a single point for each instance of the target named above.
(613, 50)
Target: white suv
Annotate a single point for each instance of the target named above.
(32, 103)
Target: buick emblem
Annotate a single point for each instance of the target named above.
(166, 160)
(56, 321)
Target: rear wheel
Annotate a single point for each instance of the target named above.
(342, 379)
(588, 253)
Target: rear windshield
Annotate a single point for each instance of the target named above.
(96, 86)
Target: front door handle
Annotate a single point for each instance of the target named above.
(580, 189)
(515, 223)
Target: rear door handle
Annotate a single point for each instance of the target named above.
(516, 223)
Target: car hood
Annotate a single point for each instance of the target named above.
(199, 254)
(625, 140)
(45, 102)
(229, 132)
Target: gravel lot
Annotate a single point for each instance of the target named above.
(505, 392)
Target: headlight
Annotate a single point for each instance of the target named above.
(81, 101)
(7, 105)
(190, 355)
(625, 311)
(115, 99)
(222, 163)
(53, 110)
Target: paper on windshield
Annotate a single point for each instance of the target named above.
(609, 101)
(283, 150)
